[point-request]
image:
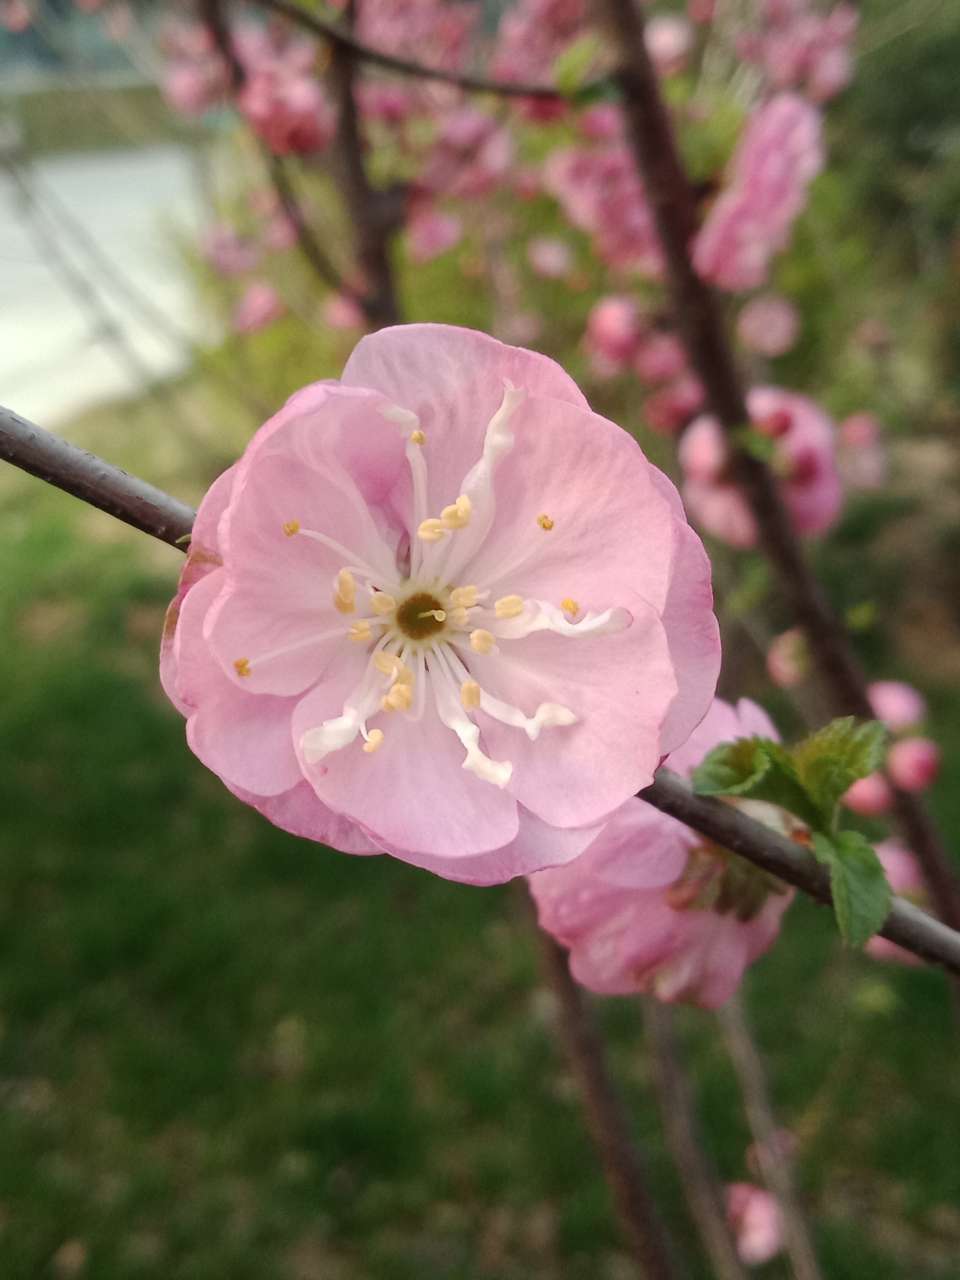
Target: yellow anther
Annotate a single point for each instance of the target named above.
(291, 527)
(458, 617)
(570, 606)
(431, 530)
(439, 614)
(464, 596)
(399, 698)
(457, 515)
(545, 522)
(360, 631)
(374, 741)
(242, 667)
(481, 641)
(418, 437)
(387, 663)
(470, 695)
(345, 594)
(509, 607)
(382, 603)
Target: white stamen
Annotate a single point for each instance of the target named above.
(340, 731)
(547, 716)
(446, 696)
(539, 615)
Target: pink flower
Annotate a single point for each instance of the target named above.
(15, 15)
(471, 155)
(651, 907)
(614, 328)
(898, 705)
(431, 233)
(289, 112)
(660, 357)
(768, 325)
(669, 410)
(869, 796)
(340, 311)
(788, 660)
(531, 36)
(227, 252)
(863, 454)
(913, 763)
(402, 626)
(756, 1222)
(259, 307)
(779, 155)
(599, 192)
(804, 462)
(550, 257)
(906, 879)
(669, 39)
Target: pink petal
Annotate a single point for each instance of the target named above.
(302, 814)
(411, 794)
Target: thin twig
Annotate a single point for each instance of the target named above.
(906, 924)
(608, 1121)
(678, 1111)
(375, 214)
(93, 480)
(339, 38)
(775, 1162)
(137, 503)
(700, 324)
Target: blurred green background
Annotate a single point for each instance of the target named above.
(225, 1053)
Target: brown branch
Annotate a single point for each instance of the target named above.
(373, 212)
(776, 1164)
(308, 244)
(93, 480)
(345, 40)
(906, 924)
(700, 324)
(608, 1121)
(678, 1111)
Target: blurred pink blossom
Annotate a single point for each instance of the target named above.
(228, 252)
(15, 15)
(863, 454)
(869, 796)
(669, 39)
(913, 763)
(906, 879)
(804, 462)
(669, 409)
(898, 705)
(340, 311)
(660, 357)
(431, 232)
(768, 325)
(550, 256)
(614, 328)
(652, 907)
(290, 112)
(778, 156)
(756, 1222)
(259, 306)
(788, 659)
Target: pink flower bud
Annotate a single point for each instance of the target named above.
(898, 705)
(755, 1219)
(659, 358)
(869, 796)
(768, 325)
(614, 327)
(788, 659)
(550, 257)
(258, 308)
(913, 763)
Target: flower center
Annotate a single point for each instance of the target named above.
(421, 616)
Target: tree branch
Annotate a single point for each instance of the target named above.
(339, 38)
(608, 1121)
(776, 1165)
(678, 1111)
(699, 321)
(139, 504)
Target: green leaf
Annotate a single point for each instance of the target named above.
(755, 443)
(571, 67)
(755, 769)
(833, 758)
(861, 894)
